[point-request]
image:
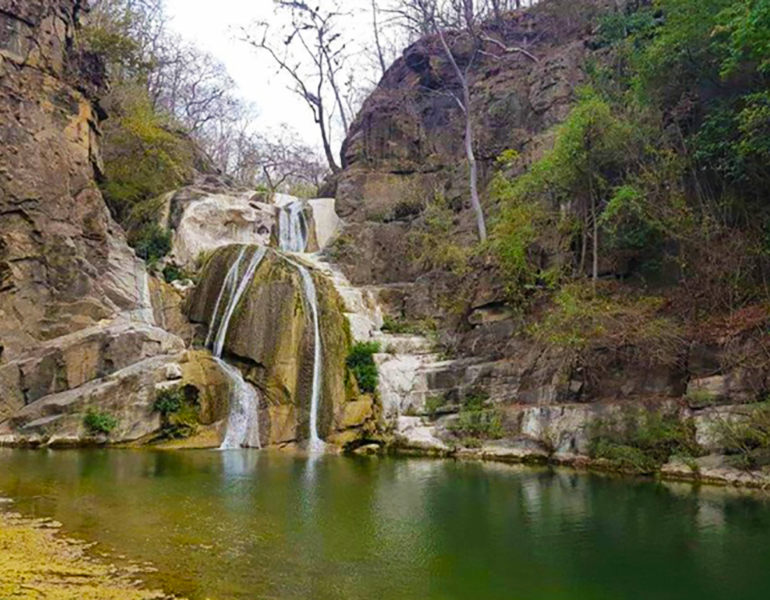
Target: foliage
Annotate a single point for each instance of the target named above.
(433, 244)
(433, 404)
(589, 155)
(142, 157)
(99, 423)
(172, 272)
(747, 437)
(662, 164)
(151, 242)
(360, 361)
(700, 399)
(476, 421)
(169, 401)
(480, 424)
(582, 318)
(642, 439)
(179, 412)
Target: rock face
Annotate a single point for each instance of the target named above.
(128, 396)
(76, 319)
(64, 264)
(406, 146)
(216, 220)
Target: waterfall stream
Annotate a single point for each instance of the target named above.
(311, 296)
(243, 421)
(292, 229)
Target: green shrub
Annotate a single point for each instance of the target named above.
(582, 318)
(475, 421)
(361, 363)
(151, 242)
(433, 404)
(179, 413)
(99, 423)
(143, 157)
(169, 401)
(747, 439)
(432, 244)
(471, 442)
(642, 440)
(172, 273)
(700, 399)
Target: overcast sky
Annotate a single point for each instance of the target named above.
(213, 25)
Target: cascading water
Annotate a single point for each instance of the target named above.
(293, 239)
(243, 421)
(292, 228)
(308, 286)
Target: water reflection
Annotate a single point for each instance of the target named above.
(286, 526)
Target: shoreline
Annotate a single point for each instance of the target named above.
(38, 560)
(674, 470)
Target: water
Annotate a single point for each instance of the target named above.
(228, 289)
(292, 229)
(293, 238)
(235, 298)
(309, 289)
(243, 420)
(244, 525)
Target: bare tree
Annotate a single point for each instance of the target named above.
(276, 159)
(313, 53)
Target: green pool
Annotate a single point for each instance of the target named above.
(246, 524)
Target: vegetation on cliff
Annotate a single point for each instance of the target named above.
(657, 177)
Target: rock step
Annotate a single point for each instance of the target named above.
(403, 344)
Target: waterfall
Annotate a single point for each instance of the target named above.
(228, 286)
(308, 286)
(292, 228)
(219, 341)
(243, 421)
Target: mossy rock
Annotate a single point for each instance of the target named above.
(271, 338)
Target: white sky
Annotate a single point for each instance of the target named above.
(213, 25)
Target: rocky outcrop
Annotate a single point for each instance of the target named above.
(271, 339)
(128, 396)
(76, 321)
(64, 264)
(406, 146)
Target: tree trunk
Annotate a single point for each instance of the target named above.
(473, 167)
(380, 55)
(465, 105)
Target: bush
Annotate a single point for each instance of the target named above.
(179, 413)
(433, 404)
(475, 421)
(151, 242)
(747, 439)
(361, 363)
(582, 318)
(432, 243)
(642, 440)
(169, 401)
(99, 423)
(172, 273)
(479, 423)
(143, 158)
